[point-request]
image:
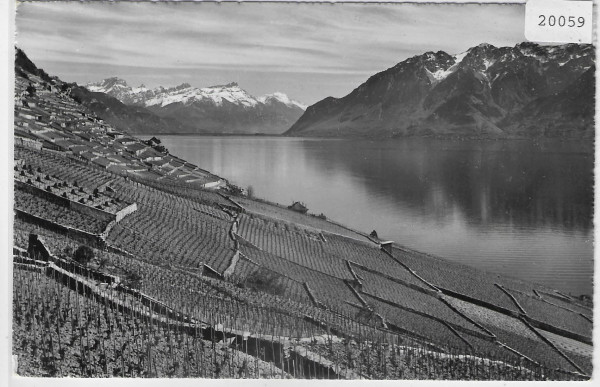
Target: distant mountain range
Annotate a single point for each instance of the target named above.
(186, 109)
(524, 91)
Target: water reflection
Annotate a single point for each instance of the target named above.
(516, 182)
(513, 207)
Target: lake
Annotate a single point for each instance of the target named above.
(519, 208)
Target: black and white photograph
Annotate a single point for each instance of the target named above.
(266, 190)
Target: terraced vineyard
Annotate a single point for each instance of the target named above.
(295, 245)
(558, 317)
(161, 236)
(457, 278)
(59, 332)
(407, 298)
(64, 167)
(314, 303)
(563, 302)
(281, 213)
(515, 334)
(36, 206)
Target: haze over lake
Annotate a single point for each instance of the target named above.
(518, 208)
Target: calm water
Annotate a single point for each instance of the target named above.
(513, 207)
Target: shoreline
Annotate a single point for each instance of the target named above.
(446, 138)
(587, 148)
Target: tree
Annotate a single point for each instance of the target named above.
(250, 191)
(83, 255)
(263, 280)
(30, 90)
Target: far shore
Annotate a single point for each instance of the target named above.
(586, 148)
(209, 134)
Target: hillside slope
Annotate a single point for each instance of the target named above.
(482, 92)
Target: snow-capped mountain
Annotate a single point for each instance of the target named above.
(279, 97)
(184, 93)
(485, 91)
(222, 108)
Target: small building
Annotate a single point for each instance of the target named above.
(104, 162)
(153, 141)
(135, 148)
(117, 160)
(299, 207)
(87, 155)
(386, 246)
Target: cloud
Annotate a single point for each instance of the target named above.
(283, 38)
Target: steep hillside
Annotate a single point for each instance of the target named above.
(569, 113)
(478, 93)
(24, 66)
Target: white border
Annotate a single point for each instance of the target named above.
(7, 17)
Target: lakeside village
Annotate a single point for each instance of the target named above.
(131, 262)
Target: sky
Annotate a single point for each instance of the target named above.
(308, 51)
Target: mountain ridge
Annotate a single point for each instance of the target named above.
(216, 109)
(141, 95)
(477, 93)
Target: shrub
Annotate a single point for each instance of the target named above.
(103, 263)
(30, 90)
(83, 255)
(67, 252)
(234, 189)
(264, 280)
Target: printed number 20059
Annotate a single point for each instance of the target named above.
(561, 21)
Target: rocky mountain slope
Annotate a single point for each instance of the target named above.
(523, 91)
(129, 118)
(217, 109)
